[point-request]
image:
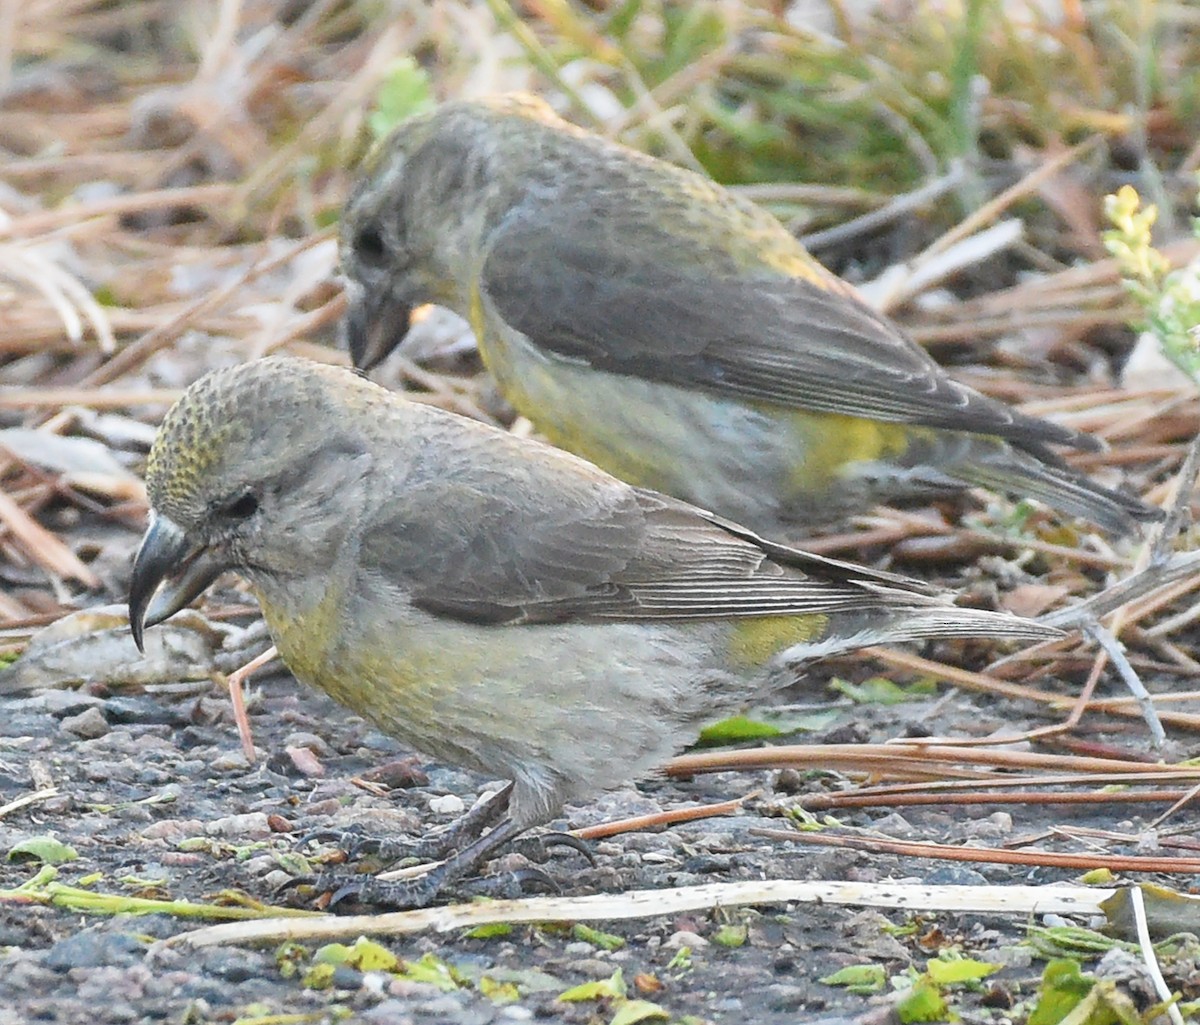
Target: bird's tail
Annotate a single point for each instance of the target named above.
(952, 621)
(1042, 475)
(916, 618)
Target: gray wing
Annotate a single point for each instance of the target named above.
(548, 543)
(655, 310)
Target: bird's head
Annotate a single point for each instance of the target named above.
(257, 468)
(416, 225)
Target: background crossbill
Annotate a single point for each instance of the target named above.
(678, 336)
(493, 602)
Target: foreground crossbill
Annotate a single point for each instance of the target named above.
(493, 602)
(678, 336)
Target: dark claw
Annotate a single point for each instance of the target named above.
(435, 846)
(402, 894)
(294, 884)
(356, 843)
(342, 838)
(514, 884)
(536, 848)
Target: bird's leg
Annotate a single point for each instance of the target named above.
(433, 847)
(236, 681)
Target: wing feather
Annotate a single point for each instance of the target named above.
(533, 535)
(761, 335)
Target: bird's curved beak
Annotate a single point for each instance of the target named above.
(166, 554)
(376, 322)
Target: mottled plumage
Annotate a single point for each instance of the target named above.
(493, 602)
(649, 320)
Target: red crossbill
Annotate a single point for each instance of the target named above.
(493, 602)
(673, 333)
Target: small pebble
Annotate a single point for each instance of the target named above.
(683, 938)
(305, 761)
(251, 826)
(302, 738)
(88, 724)
(229, 761)
(173, 829)
(449, 804)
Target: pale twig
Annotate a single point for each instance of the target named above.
(1179, 513)
(1153, 577)
(901, 206)
(1146, 945)
(1018, 900)
(1116, 654)
(1183, 801)
(28, 799)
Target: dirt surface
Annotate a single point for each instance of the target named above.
(158, 800)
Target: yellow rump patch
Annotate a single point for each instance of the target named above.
(831, 442)
(755, 641)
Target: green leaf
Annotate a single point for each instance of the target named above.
(405, 91)
(490, 931)
(368, 956)
(498, 992)
(603, 940)
(731, 936)
(632, 1011)
(737, 728)
(332, 953)
(881, 691)
(682, 961)
(945, 973)
(1098, 877)
(432, 970)
(319, 976)
(1070, 940)
(863, 979)
(924, 1002)
(613, 986)
(1063, 987)
(290, 958)
(46, 849)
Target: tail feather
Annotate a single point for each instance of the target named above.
(897, 624)
(1025, 475)
(953, 621)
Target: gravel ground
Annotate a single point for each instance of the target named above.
(157, 799)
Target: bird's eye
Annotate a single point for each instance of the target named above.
(369, 246)
(241, 507)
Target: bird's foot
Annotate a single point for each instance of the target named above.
(357, 843)
(436, 846)
(353, 892)
(537, 848)
(349, 892)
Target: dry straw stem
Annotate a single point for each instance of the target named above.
(916, 761)
(982, 683)
(986, 855)
(897, 525)
(915, 275)
(641, 823)
(24, 802)
(874, 798)
(1078, 298)
(42, 545)
(1016, 900)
